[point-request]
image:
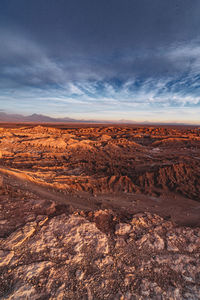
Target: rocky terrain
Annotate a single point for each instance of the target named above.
(98, 212)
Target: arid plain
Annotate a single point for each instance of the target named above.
(99, 211)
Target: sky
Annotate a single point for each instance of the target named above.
(133, 60)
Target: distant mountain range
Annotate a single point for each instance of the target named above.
(36, 118)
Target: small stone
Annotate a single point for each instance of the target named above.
(122, 229)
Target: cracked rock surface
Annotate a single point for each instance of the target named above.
(76, 256)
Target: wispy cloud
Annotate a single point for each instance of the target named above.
(31, 79)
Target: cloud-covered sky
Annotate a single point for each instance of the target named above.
(101, 59)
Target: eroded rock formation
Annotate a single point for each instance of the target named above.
(107, 159)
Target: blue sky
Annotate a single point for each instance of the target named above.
(108, 60)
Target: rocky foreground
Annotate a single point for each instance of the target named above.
(53, 253)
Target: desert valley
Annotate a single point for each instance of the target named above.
(96, 211)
